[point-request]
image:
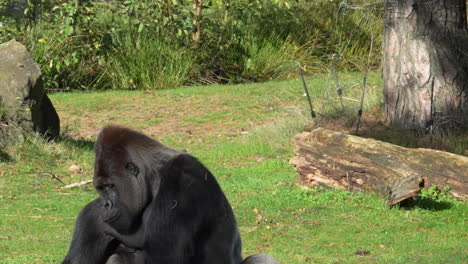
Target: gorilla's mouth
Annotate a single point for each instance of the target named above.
(110, 212)
(112, 217)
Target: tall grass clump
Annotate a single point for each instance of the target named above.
(273, 58)
(141, 60)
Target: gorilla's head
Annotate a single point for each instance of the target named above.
(125, 175)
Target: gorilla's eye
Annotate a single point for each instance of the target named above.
(132, 168)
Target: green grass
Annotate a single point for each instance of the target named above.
(243, 134)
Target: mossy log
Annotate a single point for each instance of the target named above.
(333, 159)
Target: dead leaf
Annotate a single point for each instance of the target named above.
(258, 218)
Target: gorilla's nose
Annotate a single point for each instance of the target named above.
(108, 204)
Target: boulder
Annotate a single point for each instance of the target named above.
(25, 107)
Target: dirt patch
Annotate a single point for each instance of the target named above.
(160, 115)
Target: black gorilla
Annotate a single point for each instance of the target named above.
(156, 205)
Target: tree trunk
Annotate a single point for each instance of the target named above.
(332, 159)
(197, 12)
(425, 64)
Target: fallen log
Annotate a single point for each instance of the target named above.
(333, 159)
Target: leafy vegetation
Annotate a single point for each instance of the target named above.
(111, 44)
(243, 134)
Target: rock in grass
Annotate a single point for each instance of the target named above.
(24, 106)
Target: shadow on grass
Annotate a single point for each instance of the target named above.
(403, 138)
(454, 142)
(4, 157)
(82, 144)
(426, 203)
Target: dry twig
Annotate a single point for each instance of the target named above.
(77, 184)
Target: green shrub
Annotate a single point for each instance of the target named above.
(66, 42)
(91, 44)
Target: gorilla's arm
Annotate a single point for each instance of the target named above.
(89, 233)
(134, 240)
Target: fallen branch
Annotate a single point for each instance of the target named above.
(77, 184)
(38, 216)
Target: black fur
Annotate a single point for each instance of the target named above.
(156, 205)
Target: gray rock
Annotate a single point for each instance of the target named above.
(260, 258)
(24, 106)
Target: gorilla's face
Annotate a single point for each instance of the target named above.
(121, 183)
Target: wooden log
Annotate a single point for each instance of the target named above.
(333, 159)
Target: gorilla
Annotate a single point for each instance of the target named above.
(155, 205)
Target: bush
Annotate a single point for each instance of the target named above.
(91, 44)
(65, 40)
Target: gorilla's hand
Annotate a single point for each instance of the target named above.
(135, 240)
(110, 231)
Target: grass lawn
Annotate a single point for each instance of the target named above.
(243, 134)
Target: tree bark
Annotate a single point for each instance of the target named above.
(197, 12)
(425, 64)
(333, 159)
